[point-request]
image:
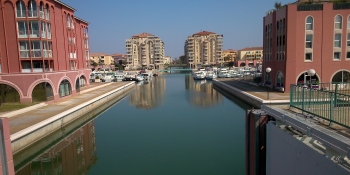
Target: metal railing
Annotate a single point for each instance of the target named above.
(328, 104)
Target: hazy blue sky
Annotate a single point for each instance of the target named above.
(114, 21)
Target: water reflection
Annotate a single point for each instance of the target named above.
(149, 95)
(73, 155)
(204, 95)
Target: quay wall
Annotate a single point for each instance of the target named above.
(256, 102)
(6, 159)
(32, 134)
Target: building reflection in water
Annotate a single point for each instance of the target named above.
(149, 95)
(205, 96)
(75, 154)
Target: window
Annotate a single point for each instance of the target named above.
(34, 29)
(309, 23)
(337, 40)
(337, 22)
(48, 28)
(20, 9)
(308, 43)
(347, 55)
(64, 88)
(0, 67)
(46, 55)
(32, 9)
(348, 40)
(36, 49)
(308, 56)
(41, 13)
(348, 22)
(68, 21)
(47, 12)
(49, 52)
(337, 55)
(43, 29)
(24, 49)
(22, 29)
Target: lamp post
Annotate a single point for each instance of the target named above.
(268, 70)
(310, 73)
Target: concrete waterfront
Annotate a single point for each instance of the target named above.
(31, 125)
(252, 94)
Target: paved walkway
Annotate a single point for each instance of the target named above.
(19, 120)
(260, 92)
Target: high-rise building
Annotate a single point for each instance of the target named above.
(304, 37)
(144, 50)
(44, 51)
(204, 48)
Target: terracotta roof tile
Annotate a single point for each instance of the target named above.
(203, 32)
(98, 54)
(143, 35)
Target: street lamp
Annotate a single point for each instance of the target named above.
(268, 70)
(310, 73)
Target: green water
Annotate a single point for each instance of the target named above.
(170, 126)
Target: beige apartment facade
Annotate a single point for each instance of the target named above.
(204, 49)
(102, 59)
(167, 59)
(144, 51)
(249, 56)
(230, 55)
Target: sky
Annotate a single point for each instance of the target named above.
(114, 21)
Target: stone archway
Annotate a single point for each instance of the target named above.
(9, 94)
(65, 88)
(242, 64)
(342, 76)
(303, 78)
(42, 92)
(280, 80)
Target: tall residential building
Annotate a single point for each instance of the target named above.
(302, 36)
(102, 59)
(144, 50)
(44, 51)
(204, 48)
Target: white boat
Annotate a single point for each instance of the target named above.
(223, 73)
(119, 76)
(139, 78)
(147, 76)
(199, 75)
(210, 75)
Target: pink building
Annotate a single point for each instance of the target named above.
(301, 36)
(44, 52)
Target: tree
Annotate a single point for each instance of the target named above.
(228, 58)
(231, 64)
(278, 5)
(183, 59)
(94, 64)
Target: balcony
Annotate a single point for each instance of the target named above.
(43, 34)
(21, 13)
(34, 34)
(22, 34)
(42, 16)
(24, 53)
(49, 35)
(341, 6)
(36, 53)
(38, 70)
(26, 70)
(33, 13)
(310, 7)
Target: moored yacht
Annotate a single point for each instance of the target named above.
(223, 73)
(210, 75)
(199, 75)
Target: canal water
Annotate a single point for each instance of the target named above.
(172, 125)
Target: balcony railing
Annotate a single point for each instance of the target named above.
(310, 7)
(21, 13)
(45, 53)
(318, 100)
(43, 34)
(42, 16)
(48, 35)
(32, 13)
(38, 70)
(22, 34)
(340, 6)
(49, 52)
(24, 53)
(36, 53)
(26, 70)
(34, 34)
(48, 69)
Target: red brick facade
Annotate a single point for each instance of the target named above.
(43, 42)
(299, 37)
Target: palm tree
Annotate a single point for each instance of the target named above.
(278, 5)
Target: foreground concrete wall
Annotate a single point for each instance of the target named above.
(6, 159)
(288, 156)
(28, 136)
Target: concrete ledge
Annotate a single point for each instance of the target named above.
(248, 98)
(27, 136)
(21, 111)
(94, 88)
